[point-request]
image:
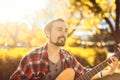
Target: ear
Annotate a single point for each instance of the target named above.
(47, 33)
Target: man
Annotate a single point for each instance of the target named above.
(48, 61)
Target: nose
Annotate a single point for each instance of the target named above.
(65, 34)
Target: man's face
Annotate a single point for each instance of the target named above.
(58, 33)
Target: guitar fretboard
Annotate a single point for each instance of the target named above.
(88, 75)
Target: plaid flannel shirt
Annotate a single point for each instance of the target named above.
(34, 66)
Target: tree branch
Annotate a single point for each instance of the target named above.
(112, 29)
(71, 32)
(117, 20)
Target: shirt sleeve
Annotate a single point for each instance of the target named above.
(23, 70)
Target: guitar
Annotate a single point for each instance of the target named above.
(69, 73)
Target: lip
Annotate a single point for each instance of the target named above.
(63, 39)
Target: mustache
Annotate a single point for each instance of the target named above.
(62, 37)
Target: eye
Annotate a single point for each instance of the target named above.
(66, 30)
(59, 29)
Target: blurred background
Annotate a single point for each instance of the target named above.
(93, 26)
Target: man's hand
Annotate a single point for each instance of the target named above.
(113, 65)
(117, 47)
(114, 60)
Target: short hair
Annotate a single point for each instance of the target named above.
(49, 26)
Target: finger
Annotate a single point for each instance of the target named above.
(110, 65)
(119, 44)
(114, 60)
(118, 48)
(113, 57)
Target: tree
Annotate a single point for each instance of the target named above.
(93, 12)
(22, 35)
(103, 35)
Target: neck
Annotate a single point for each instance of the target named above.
(53, 49)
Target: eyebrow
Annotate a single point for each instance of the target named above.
(66, 29)
(61, 28)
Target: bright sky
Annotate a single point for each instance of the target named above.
(17, 10)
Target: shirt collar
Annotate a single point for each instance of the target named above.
(45, 55)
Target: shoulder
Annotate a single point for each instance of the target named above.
(67, 53)
(33, 53)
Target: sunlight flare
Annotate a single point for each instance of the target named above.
(17, 10)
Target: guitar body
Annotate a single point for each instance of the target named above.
(67, 74)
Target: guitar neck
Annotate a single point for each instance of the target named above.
(99, 67)
(88, 75)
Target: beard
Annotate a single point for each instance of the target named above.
(60, 41)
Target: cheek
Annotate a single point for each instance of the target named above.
(55, 34)
(53, 37)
